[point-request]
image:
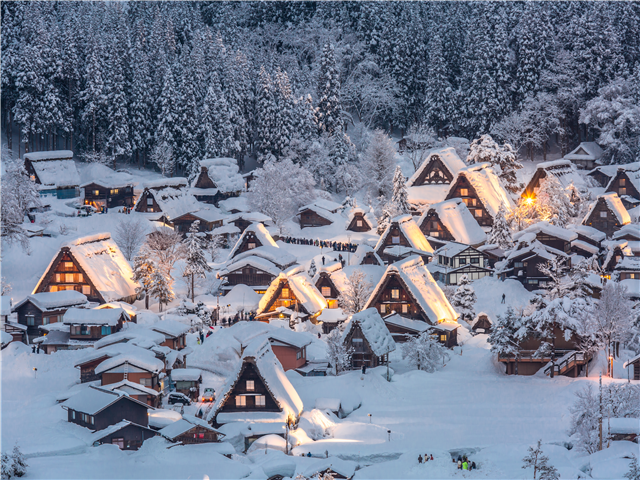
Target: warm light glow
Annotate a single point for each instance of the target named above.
(529, 200)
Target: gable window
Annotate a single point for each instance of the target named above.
(31, 320)
(68, 265)
(405, 308)
(96, 193)
(603, 214)
(383, 308)
(241, 401)
(623, 182)
(58, 278)
(114, 191)
(359, 223)
(435, 234)
(326, 291)
(478, 212)
(475, 260)
(68, 277)
(395, 293)
(251, 245)
(260, 401)
(285, 292)
(395, 239)
(53, 288)
(86, 290)
(251, 385)
(147, 382)
(464, 192)
(622, 191)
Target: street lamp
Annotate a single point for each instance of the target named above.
(389, 433)
(35, 371)
(369, 417)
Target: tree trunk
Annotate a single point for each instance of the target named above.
(544, 150)
(192, 290)
(10, 131)
(93, 131)
(146, 300)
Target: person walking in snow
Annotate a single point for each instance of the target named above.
(459, 464)
(503, 297)
(364, 369)
(465, 465)
(323, 259)
(426, 457)
(473, 465)
(33, 349)
(419, 458)
(431, 456)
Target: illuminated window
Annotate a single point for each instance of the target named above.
(443, 338)
(251, 385)
(603, 214)
(96, 193)
(260, 401)
(395, 293)
(285, 292)
(405, 308)
(359, 223)
(623, 182)
(395, 240)
(53, 288)
(68, 265)
(326, 291)
(58, 278)
(464, 192)
(622, 191)
(478, 213)
(383, 308)
(114, 191)
(435, 234)
(241, 401)
(68, 277)
(251, 246)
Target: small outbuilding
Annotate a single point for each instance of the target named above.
(126, 435)
(190, 430)
(370, 339)
(634, 366)
(585, 155)
(187, 381)
(481, 323)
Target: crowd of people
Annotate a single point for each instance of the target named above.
(463, 462)
(336, 246)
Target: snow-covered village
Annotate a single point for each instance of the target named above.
(320, 240)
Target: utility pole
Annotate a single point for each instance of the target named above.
(600, 415)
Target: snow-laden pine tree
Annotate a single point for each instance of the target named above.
(93, 95)
(502, 159)
(400, 197)
(312, 269)
(634, 469)
(189, 150)
(284, 111)
(18, 462)
(338, 353)
(143, 270)
(346, 176)
(357, 291)
(378, 163)
(464, 299)
(161, 287)
(424, 352)
(533, 37)
(5, 465)
(168, 113)
(266, 114)
(217, 123)
(240, 98)
(162, 155)
(117, 111)
(508, 333)
(540, 463)
(500, 231)
(439, 94)
(552, 202)
(329, 103)
(18, 195)
(141, 101)
(195, 262)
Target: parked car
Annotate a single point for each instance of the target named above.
(86, 210)
(175, 397)
(209, 395)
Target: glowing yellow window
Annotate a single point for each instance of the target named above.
(464, 192)
(326, 291)
(443, 338)
(395, 293)
(285, 293)
(251, 385)
(53, 288)
(86, 290)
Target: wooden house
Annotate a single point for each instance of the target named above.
(254, 236)
(141, 367)
(613, 253)
(455, 260)
(408, 288)
(190, 430)
(187, 381)
(126, 435)
(626, 183)
(585, 155)
(452, 221)
(550, 235)
(208, 220)
(588, 235)
(563, 170)
(89, 363)
(93, 266)
(253, 271)
(167, 199)
(446, 333)
(318, 213)
(481, 323)
(293, 290)
(628, 273)
(634, 366)
(359, 221)
(219, 179)
(143, 394)
(45, 308)
(242, 220)
(289, 347)
(431, 181)
(630, 232)
(258, 391)
(368, 336)
(365, 255)
(175, 333)
(324, 281)
(97, 408)
(102, 187)
(93, 324)
(607, 214)
(53, 172)
(401, 328)
(403, 238)
(602, 174)
(523, 264)
(331, 318)
(481, 191)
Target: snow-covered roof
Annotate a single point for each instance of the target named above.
(259, 353)
(137, 335)
(321, 203)
(408, 323)
(278, 256)
(548, 229)
(174, 202)
(289, 337)
(410, 230)
(210, 214)
(235, 203)
(585, 151)
(631, 361)
(420, 284)
(170, 328)
(302, 287)
(224, 172)
(85, 316)
(368, 216)
(628, 264)
(344, 468)
(57, 173)
(94, 399)
(253, 261)
(361, 252)
(50, 155)
(105, 265)
(53, 300)
(451, 249)
(488, 187)
(589, 232)
(111, 429)
(373, 329)
(260, 232)
(175, 182)
(565, 171)
(143, 359)
(131, 388)
(226, 230)
(332, 315)
(425, 195)
(104, 176)
(455, 215)
(183, 425)
(625, 426)
(481, 314)
(254, 217)
(449, 158)
(186, 374)
(632, 230)
(587, 247)
(615, 206)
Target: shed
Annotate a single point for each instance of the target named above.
(370, 339)
(585, 155)
(126, 435)
(481, 323)
(635, 363)
(360, 221)
(624, 429)
(190, 430)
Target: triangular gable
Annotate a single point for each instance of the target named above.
(204, 180)
(248, 366)
(392, 280)
(353, 224)
(273, 295)
(254, 236)
(426, 226)
(440, 167)
(580, 151)
(398, 228)
(324, 280)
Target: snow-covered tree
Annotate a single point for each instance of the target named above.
(312, 269)
(634, 469)
(500, 231)
(196, 263)
(166, 133)
(18, 195)
(329, 103)
(439, 93)
(378, 163)
(357, 291)
(143, 270)
(130, 235)
(542, 470)
(161, 287)
(424, 352)
(215, 244)
(508, 333)
(502, 159)
(18, 462)
(400, 197)
(217, 125)
(93, 96)
(6, 471)
(464, 299)
(338, 353)
(163, 156)
(165, 245)
(552, 202)
(424, 139)
(279, 199)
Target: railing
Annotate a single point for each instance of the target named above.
(566, 363)
(530, 356)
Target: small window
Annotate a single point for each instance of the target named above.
(326, 292)
(147, 382)
(114, 191)
(475, 260)
(86, 290)
(623, 182)
(106, 330)
(285, 293)
(395, 293)
(31, 320)
(251, 245)
(241, 401)
(79, 278)
(395, 240)
(68, 278)
(435, 234)
(405, 308)
(260, 401)
(45, 320)
(478, 213)
(359, 223)
(68, 265)
(462, 261)
(464, 192)
(298, 355)
(383, 308)
(92, 420)
(251, 385)
(58, 278)
(622, 191)
(603, 214)
(443, 338)
(73, 414)
(119, 442)
(53, 288)
(149, 201)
